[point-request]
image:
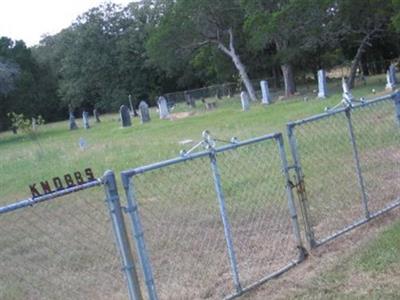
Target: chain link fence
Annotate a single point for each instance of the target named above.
(348, 162)
(62, 246)
(214, 224)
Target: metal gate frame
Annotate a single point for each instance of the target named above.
(118, 223)
(137, 228)
(300, 181)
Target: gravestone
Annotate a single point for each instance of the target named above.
(392, 70)
(85, 118)
(72, 123)
(189, 100)
(244, 97)
(34, 124)
(322, 87)
(163, 107)
(266, 97)
(96, 114)
(390, 85)
(82, 143)
(125, 116)
(144, 112)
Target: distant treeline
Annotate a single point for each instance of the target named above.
(158, 46)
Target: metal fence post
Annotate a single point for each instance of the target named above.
(397, 105)
(132, 210)
(225, 221)
(114, 207)
(289, 192)
(361, 183)
(300, 185)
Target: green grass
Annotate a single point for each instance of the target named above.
(56, 151)
(371, 272)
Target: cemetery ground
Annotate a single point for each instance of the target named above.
(55, 151)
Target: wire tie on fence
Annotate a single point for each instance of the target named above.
(130, 209)
(128, 267)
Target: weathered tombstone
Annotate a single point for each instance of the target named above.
(96, 114)
(144, 112)
(322, 87)
(190, 100)
(244, 97)
(392, 70)
(163, 108)
(125, 116)
(266, 97)
(389, 81)
(131, 105)
(72, 123)
(34, 124)
(85, 118)
(82, 143)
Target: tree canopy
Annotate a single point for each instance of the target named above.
(153, 47)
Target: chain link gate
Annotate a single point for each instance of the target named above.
(350, 161)
(216, 223)
(60, 246)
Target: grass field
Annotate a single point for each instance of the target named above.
(70, 241)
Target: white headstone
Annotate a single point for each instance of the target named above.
(244, 97)
(266, 97)
(144, 112)
(85, 117)
(322, 87)
(392, 70)
(389, 83)
(163, 108)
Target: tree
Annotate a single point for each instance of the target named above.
(292, 27)
(191, 25)
(360, 22)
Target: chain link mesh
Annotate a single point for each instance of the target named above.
(328, 161)
(378, 140)
(183, 228)
(183, 231)
(326, 157)
(60, 249)
(254, 188)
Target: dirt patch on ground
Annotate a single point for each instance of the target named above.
(181, 115)
(322, 259)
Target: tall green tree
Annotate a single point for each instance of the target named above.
(191, 25)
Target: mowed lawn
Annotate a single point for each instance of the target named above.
(56, 150)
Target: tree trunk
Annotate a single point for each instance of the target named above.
(243, 75)
(288, 78)
(356, 61)
(231, 52)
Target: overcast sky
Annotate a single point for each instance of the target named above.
(28, 20)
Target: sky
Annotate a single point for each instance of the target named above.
(28, 20)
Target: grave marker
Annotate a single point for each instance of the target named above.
(125, 116)
(144, 112)
(244, 97)
(85, 117)
(266, 97)
(322, 87)
(163, 108)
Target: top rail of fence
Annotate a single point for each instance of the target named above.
(32, 201)
(150, 167)
(340, 110)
